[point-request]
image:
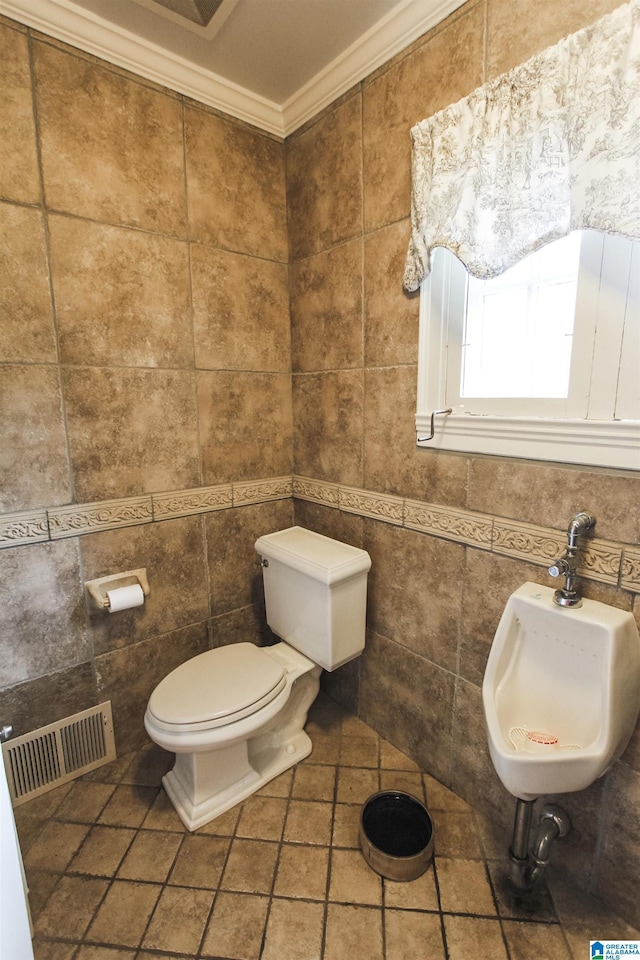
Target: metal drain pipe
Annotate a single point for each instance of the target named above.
(527, 868)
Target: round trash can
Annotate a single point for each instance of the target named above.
(396, 835)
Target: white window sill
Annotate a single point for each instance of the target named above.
(592, 442)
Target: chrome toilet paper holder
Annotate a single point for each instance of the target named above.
(96, 590)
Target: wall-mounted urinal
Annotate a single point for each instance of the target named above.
(561, 692)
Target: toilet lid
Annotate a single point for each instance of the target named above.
(218, 686)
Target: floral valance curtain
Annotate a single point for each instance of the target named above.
(550, 147)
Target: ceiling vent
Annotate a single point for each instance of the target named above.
(197, 11)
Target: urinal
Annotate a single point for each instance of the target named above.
(561, 692)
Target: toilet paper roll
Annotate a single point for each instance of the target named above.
(123, 598)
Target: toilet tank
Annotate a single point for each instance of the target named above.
(316, 594)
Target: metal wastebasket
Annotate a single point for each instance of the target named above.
(396, 835)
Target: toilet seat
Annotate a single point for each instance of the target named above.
(217, 688)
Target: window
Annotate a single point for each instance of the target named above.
(540, 362)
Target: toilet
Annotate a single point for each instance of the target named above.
(234, 716)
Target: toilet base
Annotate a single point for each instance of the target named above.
(258, 772)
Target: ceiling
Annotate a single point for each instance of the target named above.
(272, 63)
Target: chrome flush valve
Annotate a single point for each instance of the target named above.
(567, 565)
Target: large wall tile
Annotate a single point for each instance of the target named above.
(54, 696)
(240, 311)
(245, 425)
(414, 591)
(128, 676)
(130, 431)
(391, 315)
(122, 296)
(445, 68)
(550, 494)
(409, 701)
(111, 147)
(326, 310)
(35, 471)
(43, 611)
(328, 411)
(19, 175)
(617, 880)
(235, 575)
(513, 35)
(324, 181)
(235, 187)
(393, 461)
(173, 554)
(26, 320)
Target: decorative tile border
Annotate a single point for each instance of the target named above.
(527, 542)
(260, 491)
(378, 506)
(604, 561)
(316, 491)
(27, 526)
(463, 526)
(183, 503)
(81, 518)
(630, 569)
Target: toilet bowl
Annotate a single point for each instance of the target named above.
(234, 715)
(561, 692)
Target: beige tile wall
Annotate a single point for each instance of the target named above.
(146, 353)
(434, 600)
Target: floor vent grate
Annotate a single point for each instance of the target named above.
(45, 758)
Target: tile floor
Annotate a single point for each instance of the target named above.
(114, 875)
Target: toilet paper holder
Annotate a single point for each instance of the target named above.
(96, 590)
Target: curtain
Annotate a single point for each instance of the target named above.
(549, 147)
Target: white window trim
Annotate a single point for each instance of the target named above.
(600, 443)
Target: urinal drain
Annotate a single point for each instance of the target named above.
(536, 741)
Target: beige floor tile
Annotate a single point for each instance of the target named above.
(356, 785)
(359, 752)
(128, 806)
(123, 915)
(530, 941)
(294, 931)
(409, 935)
(302, 872)
(354, 727)
(440, 797)
(464, 887)
(224, 825)
(346, 825)
(179, 920)
(50, 950)
(278, 787)
(393, 759)
(407, 781)
(309, 822)
(326, 749)
(55, 846)
(150, 856)
(352, 880)
(469, 937)
(70, 907)
(200, 862)
(314, 782)
(85, 801)
(41, 885)
(226, 937)
(148, 766)
(262, 818)
(535, 905)
(102, 851)
(251, 866)
(455, 834)
(162, 815)
(92, 952)
(353, 932)
(420, 894)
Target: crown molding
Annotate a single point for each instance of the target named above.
(65, 21)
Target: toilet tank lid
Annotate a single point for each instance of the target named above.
(321, 558)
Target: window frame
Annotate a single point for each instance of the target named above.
(591, 442)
